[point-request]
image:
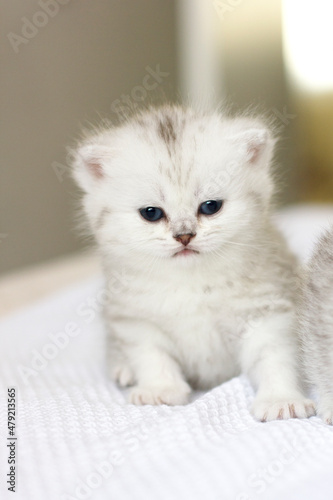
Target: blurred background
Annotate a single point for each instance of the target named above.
(67, 63)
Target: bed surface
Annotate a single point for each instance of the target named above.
(78, 438)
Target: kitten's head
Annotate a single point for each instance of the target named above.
(176, 185)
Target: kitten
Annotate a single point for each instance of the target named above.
(179, 203)
(316, 324)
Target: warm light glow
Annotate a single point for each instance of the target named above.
(308, 43)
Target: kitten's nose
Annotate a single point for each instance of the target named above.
(184, 238)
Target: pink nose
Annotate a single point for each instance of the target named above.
(184, 238)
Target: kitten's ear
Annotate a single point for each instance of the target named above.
(255, 144)
(89, 168)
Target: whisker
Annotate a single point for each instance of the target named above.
(244, 244)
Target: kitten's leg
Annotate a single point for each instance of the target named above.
(145, 356)
(325, 409)
(325, 405)
(118, 365)
(317, 351)
(269, 356)
(160, 380)
(122, 374)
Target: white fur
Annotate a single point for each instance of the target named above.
(316, 324)
(200, 319)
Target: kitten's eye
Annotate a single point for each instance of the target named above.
(152, 214)
(210, 207)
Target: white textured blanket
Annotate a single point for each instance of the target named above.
(78, 438)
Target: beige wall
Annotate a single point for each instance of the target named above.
(251, 41)
(80, 65)
(85, 57)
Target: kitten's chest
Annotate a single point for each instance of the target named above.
(188, 310)
(167, 301)
(205, 332)
(201, 322)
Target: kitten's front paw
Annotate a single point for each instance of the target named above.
(158, 395)
(122, 374)
(266, 409)
(325, 412)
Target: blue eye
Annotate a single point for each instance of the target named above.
(152, 214)
(210, 207)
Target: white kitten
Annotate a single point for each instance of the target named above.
(179, 204)
(316, 324)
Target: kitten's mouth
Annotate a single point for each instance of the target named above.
(185, 251)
